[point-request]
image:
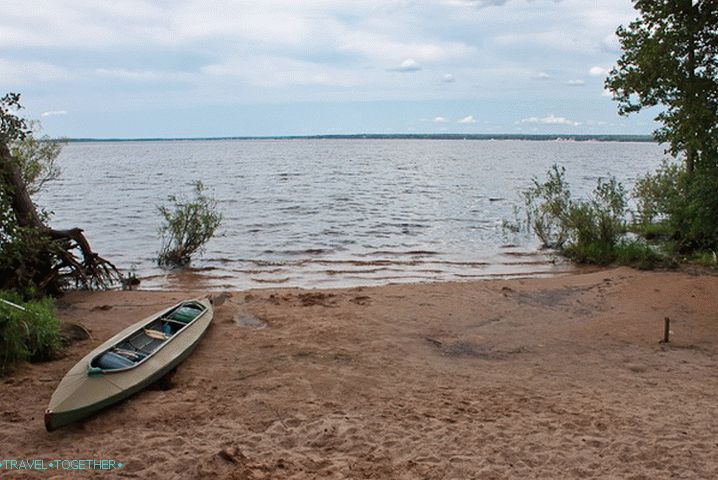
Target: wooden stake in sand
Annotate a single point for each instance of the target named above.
(666, 330)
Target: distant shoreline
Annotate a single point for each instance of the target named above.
(402, 136)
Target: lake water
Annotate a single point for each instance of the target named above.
(328, 213)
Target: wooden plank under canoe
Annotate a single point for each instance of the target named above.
(88, 387)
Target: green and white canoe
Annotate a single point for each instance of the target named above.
(128, 362)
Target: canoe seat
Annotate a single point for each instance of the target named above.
(133, 355)
(145, 344)
(156, 334)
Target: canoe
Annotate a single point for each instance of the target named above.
(128, 362)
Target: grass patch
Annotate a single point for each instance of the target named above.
(632, 253)
(638, 254)
(705, 259)
(653, 231)
(29, 335)
(594, 253)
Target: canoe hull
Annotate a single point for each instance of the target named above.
(78, 396)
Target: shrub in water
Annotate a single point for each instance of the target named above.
(188, 226)
(597, 225)
(547, 208)
(585, 230)
(673, 206)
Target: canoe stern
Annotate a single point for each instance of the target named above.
(48, 421)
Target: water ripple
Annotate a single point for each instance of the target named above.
(327, 213)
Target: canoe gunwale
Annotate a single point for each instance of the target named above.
(91, 371)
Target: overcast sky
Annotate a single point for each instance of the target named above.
(188, 68)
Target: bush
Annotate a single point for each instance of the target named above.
(587, 231)
(188, 226)
(684, 208)
(697, 223)
(636, 253)
(23, 251)
(32, 334)
(659, 230)
(599, 223)
(547, 207)
(679, 210)
(657, 193)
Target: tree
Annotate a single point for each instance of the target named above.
(33, 255)
(37, 158)
(670, 58)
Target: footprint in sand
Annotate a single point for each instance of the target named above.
(361, 300)
(247, 320)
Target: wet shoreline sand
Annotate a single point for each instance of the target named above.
(559, 377)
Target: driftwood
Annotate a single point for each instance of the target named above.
(69, 257)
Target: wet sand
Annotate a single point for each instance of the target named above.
(550, 378)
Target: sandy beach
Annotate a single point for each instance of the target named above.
(560, 377)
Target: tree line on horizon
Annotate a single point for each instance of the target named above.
(398, 136)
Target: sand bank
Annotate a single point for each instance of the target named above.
(538, 378)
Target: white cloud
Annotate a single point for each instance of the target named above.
(576, 83)
(53, 113)
(372, 29)
(607, 93)
(378, 46)
(141, 75)
(408, 65)
(556, 40)
(513, 54)
(542, 76)
(440, 120)
(269, 71)
(467, 120)
(611, 44)
(475, 3)
(550, 119)
(24, 71)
